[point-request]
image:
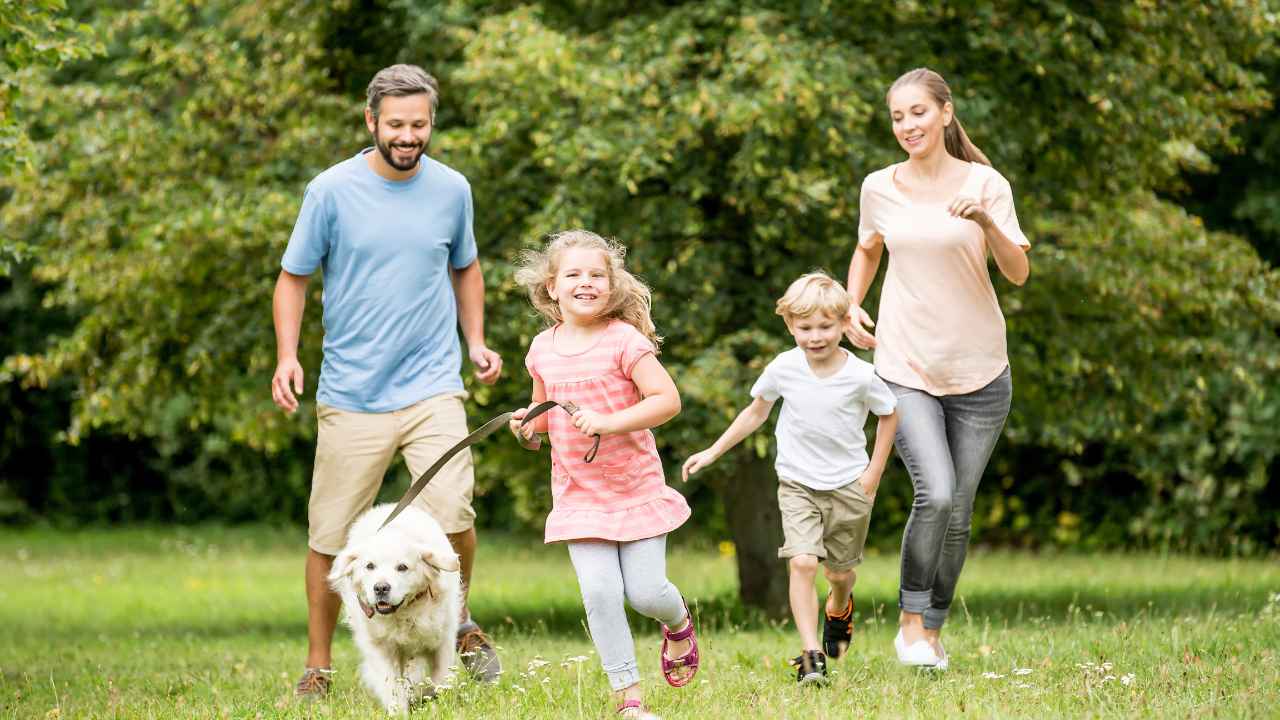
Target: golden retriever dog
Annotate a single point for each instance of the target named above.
(401, 591)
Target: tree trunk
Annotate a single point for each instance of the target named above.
(751, 508)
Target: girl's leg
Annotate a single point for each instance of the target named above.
(644, 575)
(600, 579)
(921, 442)
(974, 423)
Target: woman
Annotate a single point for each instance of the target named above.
(940, 344)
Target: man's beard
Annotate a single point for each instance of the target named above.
(385, 150)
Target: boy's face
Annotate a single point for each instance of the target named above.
(817, 334)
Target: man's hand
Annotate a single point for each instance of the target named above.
(286, 384)
(488, 364)
(696, 462)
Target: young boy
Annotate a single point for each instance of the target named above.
(826, 483)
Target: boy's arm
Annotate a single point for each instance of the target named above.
(747, 422)
(886, 427)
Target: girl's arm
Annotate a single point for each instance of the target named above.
(660, 403)
(528, 434)
(747, 422)
(862, 270)
(886, 427)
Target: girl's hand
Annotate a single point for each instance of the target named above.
(696, 462)
(590, 422)
(524, 433)
(855, 328)
(970, 209)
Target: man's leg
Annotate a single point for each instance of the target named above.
(464, 543)
(353, 451)
(427, 430)
(323, 605)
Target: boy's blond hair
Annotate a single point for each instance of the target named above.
(812, 293)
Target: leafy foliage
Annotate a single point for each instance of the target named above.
(724, 143)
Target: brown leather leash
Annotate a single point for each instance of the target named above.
(481, 433)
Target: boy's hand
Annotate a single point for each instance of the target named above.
(590, 422)
(870, 483)
(524, 433)
(696, 462)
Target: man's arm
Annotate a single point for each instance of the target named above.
(287, 304)
(468, 288)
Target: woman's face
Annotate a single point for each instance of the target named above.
(918, 120)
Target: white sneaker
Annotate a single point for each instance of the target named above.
(917, 654)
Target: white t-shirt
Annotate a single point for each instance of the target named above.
(821, 442)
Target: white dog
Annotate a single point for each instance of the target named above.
(401, 591)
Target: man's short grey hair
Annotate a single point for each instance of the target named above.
(401, 80)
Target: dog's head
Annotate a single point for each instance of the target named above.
(386, 574)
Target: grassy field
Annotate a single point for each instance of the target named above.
(210, 623)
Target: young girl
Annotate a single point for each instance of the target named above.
(599, 360)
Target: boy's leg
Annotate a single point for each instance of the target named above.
(804, 601)
(846, 518)
(353, 451)
(802, 549)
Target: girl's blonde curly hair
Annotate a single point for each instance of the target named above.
(629, 298)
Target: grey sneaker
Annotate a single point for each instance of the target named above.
(314, 684)
(477, 653)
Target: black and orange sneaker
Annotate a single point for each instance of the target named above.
(811, 668)
(837, 631)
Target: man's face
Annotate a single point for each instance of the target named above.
(402, 130)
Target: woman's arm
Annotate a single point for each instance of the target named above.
(862, 270)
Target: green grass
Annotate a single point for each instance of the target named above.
(205, 623)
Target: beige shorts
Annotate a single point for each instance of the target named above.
(831, 524)
(354, 450)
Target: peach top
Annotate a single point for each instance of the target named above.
(623, 494)
(940, 328)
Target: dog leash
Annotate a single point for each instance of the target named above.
(481, 433)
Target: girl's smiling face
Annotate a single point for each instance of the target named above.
(581, 285)
(918, 120)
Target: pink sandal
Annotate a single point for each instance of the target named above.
(688, 660)
(641, 714)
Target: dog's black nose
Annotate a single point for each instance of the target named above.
(382, 588)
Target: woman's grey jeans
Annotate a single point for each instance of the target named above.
(945, 442)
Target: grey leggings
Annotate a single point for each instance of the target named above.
(945, 442)
(608, 572)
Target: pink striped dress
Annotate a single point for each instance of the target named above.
(622, 495)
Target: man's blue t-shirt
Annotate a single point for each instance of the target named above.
(385, 247)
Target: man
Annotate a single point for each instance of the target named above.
(392, 231)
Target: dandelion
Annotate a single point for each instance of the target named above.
(1127, 680)
(1022, 671)
(992, 676)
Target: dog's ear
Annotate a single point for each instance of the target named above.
(447, 561)
(343, 565)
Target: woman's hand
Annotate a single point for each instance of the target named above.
(970, 209)
(855, 328)
(590, 422)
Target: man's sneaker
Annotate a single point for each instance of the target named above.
(811, 668)
(837, 631)
(477, 653)
(314, 684)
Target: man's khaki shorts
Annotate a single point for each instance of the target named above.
(831, 524)
(354, 450)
